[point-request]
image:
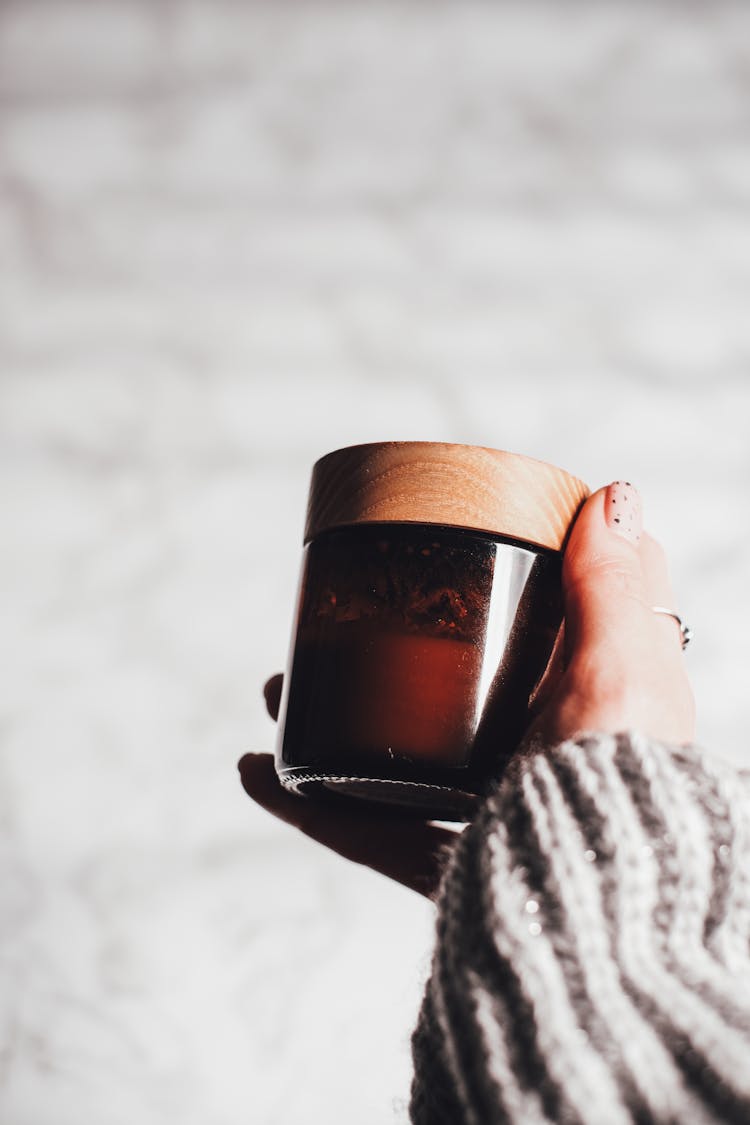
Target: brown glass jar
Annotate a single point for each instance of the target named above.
(428, 608)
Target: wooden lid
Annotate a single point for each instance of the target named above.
(438, 482)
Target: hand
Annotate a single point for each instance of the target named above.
(412, 852)
(617, 666)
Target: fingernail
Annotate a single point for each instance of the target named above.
(623, 510)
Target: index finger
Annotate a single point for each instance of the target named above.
(272, 694)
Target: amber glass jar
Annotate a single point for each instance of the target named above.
(428, 607)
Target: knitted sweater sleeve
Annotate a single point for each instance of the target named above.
(592, 962)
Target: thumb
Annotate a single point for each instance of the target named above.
(623, 665)
(604, 581)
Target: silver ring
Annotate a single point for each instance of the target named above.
(686, 633)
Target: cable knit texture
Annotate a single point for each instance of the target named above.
(592, 962)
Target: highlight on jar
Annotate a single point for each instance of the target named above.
(428, 607)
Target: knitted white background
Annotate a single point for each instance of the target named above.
(234, 237)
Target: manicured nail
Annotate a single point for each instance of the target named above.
(623, 510)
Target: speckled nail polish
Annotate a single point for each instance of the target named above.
(623, 510)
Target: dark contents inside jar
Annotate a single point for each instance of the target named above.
(406, 633)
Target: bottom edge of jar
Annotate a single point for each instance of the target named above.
(442, 802)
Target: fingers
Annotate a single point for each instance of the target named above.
(624, 666)
(613, 573)
(413, 852)
(272, 694)
(603, 575)
(659, 591)
(658, 584)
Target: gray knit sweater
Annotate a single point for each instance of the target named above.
(592, 962)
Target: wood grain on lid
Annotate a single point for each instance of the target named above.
(439, 482)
